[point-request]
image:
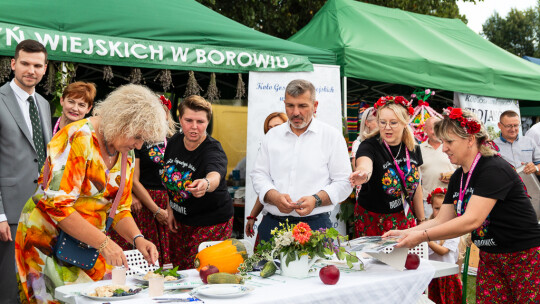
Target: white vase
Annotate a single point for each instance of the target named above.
(298, 268)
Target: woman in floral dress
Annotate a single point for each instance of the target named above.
(85, 161)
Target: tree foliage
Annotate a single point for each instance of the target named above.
(517, 33)
(284, 18)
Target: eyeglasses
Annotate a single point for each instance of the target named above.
(510, 126)
(392, 124)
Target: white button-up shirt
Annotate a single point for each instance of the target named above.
(22, 100)
(521, 150)
(303, 165)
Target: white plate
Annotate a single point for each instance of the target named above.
(139, 277)
(223, 290)
(87, 294)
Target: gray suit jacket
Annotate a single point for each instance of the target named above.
(18, 158)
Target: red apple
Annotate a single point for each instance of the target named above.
(329, 275)
(413, 261)
(206, 271)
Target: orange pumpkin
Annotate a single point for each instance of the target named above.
(226, 256)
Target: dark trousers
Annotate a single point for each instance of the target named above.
(9, 291)
(270, 221)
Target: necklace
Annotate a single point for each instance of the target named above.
(107, 148)
(400, 144)
(185, 144)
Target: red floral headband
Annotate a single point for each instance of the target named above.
(400, 100)
(166, 102)
(435, 192)
(470, 125)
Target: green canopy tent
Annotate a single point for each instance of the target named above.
(393, 46)
(178, 35)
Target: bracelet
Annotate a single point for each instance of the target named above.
(135, 237)
(252, 218)
(157, 212)
(427, 235)
(536, 167)
(103, 245)
(207, 183)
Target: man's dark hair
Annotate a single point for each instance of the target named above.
(30, 46)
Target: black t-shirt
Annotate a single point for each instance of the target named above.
(150, 163)
(181, 167)
(382, 193)
(511, 225)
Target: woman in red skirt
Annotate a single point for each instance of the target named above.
(387, 165)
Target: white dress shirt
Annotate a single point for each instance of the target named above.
(21, 97)
(303, 165)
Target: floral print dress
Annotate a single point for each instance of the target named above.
(78, 181)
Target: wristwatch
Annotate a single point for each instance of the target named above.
(318, 200)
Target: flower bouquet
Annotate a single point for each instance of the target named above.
(291, 242)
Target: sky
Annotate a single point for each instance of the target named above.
(478, 13)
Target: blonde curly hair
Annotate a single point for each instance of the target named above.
(132, 111)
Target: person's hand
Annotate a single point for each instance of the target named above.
(114, 255)
(445, 177)
(5, 232)
(359, 177)
(162, 217)
(171, 221)
(148, 250)
(412, 239)
(529, 168)
(136, 204)
(198, 187)
(306, 204)
(249, 228)
(398, 233)
(284, 203)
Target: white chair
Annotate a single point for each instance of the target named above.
(247, 244)
(135, 258)
(421, 250)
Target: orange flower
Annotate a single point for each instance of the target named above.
(302, 233)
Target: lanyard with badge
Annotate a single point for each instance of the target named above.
(461, 190)
(402, 176)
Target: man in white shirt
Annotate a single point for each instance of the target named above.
(25, 130)
(302, 169)
(517, 150)
(437, 168)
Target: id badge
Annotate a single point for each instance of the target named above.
(458, 207)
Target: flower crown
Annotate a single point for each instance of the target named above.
(165, 101)
(435, 192)
(470, 125)
(400, 100)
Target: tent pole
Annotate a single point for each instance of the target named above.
(344, 97)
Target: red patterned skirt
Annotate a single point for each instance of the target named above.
(446, 290)
(152, 230)
(367, 223)
(509, 277)
(185, 243)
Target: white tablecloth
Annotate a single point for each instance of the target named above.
(379, 283)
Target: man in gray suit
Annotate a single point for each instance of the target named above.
(25, 130)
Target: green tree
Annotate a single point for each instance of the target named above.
(517, 33)
(284, 18)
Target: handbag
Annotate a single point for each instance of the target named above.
(70, 250)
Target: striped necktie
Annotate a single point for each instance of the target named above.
(37, 132)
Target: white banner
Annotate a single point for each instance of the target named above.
(487, 109)
(266, 95)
